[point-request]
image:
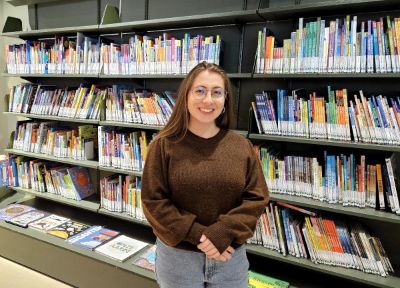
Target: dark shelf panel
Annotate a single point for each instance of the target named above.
(53, 31)
(121, 171)
(83, 204)
(367, 212)
(323, 8)
(234, 17)
(56, 118)
(351, 274)
(83, 163)
(358, 145)
(30, 2)
(122, 216)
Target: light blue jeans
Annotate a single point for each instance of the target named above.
(177, 268)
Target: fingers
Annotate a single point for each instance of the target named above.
(203, 238)
(230, 250)
(205, 245)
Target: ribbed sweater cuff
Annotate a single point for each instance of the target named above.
(195, 233)
(219, 236)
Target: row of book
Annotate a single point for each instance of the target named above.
(101, 240)
(81, 103)
(3, 170)
(43, 176)
(133, 106)
(50, 138)
(302, 234)
(367, 119)
(336, 46)
(122, 193)
(122, 149)
(118, 193)
(58, 55)
(335, 178)
(164, 54)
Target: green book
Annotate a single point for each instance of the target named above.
(257, 280)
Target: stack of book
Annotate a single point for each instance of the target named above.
(333, 178)
(164, 54)
(102, 240)
(122, 193)
(143, 107)
(81, 103)
(52, 139)
(370, 120)
(322, 240)
(42, 176)
(333, 47)
(121, 149)
(60, 55)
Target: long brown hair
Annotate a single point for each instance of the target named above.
(177, 125)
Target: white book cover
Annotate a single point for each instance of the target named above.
(48, 222)
(121, 248)
(24, 219)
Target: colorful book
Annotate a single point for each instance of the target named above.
(93, 237)
(121, 248)
(147, 259)
(48, 222)
(68, 229)
(14, 210)
(257, 280)
(24, 219)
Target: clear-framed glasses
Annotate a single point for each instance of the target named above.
(201, 92)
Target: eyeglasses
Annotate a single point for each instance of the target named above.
(200, 92)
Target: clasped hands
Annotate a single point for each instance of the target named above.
(212, 252)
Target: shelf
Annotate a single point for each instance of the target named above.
(83, 163)
(367, 212)
(325, 142)
(122, 216)
(130, 125)
(351, 274)
(52, 32)
(323, 8)
(55, 241)
(30, 2)
(234, 17)
(51, 75)
(121, 171)
(327, 75)
(83, 204)
(56, 118)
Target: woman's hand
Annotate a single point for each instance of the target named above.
(211, 252)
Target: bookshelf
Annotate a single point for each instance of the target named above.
(238, 29)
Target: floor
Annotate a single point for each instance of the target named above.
(14, 275)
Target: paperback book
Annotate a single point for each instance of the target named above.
(68, 229)
(93, 237)
(14, 210)
(48, 222)
(121, 248)
(147, 258)
(24, 219)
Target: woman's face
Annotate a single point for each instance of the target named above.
(206, 98)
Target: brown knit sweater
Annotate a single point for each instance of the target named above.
(198, 186)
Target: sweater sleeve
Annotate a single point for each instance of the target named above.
(239, 224)
(170, 224)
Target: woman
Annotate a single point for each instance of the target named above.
(203, 189)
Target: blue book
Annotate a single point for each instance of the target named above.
(93, 237)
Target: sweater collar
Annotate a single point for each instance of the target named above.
(198, 139)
